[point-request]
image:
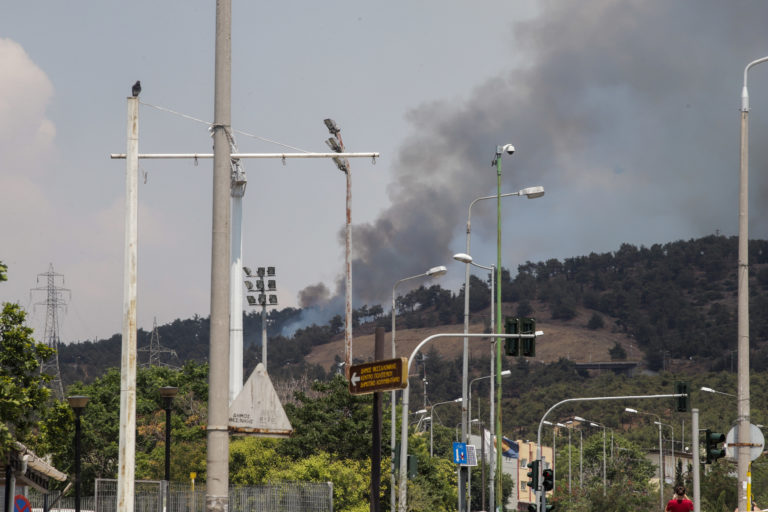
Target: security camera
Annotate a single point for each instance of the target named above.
(509, 148)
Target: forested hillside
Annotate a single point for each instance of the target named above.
(675, 300)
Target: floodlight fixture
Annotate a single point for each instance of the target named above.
(247, 271)
(270, 271)
(262, 299)
(260, 285)
(331, 125)
(260, 271)
(249, 285)
(273, 300)
(333, 143)
(271, 285)
(251, 300)
(341, 164)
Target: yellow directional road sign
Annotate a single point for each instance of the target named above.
(386, 375)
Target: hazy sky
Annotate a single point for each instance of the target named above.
(626, 112)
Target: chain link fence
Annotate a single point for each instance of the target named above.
(159, 496)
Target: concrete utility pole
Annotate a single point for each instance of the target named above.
(743, 298)
(127, 437)
(217, 485)
(696, 465)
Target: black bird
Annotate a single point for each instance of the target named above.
(136, 89)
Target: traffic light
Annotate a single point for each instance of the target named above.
(535, 508)
(683, 402)
(533, 475)
(548, 479)
(528, 326)
(711, 441)
(512, 345)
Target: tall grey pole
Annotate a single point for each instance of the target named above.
(696, 466)
(492, 465)
(743, 298)
(581, 459)
(393, 433)
(264, 335)
(569, 459)
(127, 438)
(217, 485)
(661, 471)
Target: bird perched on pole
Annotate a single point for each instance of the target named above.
(136, 89)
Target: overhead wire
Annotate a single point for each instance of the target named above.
(209, 124)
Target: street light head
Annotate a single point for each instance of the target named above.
(508, 149)
(334, 145)
(707, 390)
(78, 401)
(547, 422)
(458, 399)
(561, 425)
(331, 125)
(532, 192)
(463, 258)
(593, 424)
(506, 372)
(579, 418)
(437, 271)
(168, 391)
(629, 409)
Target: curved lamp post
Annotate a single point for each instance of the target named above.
(743, 296)
(432, 416)
(432, 272)
(77, 403)
(530, 193)
(661, 453)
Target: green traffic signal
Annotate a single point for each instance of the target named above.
(512, 345)
(533, 475)
(683, 403)
(528, 326)
(711, 442)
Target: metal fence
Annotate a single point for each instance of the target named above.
(158, 496)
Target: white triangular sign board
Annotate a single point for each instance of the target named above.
(257, 409)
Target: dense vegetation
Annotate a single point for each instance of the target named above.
(673, 300)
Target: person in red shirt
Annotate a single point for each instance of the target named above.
(680, 503)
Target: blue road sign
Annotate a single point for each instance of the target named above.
(460, 453)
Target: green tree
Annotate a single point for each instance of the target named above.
(23, 395)
(331, 420)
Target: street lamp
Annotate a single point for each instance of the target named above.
(77, 403)
(467, 260)
(167, 393)
(534, 192)
(432, 272)
(491, 411)
(661, 456)
(743, 296)
(431, 417)
(710, 390)
(594, 424)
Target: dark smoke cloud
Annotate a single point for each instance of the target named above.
(626, 111)
(314, 295)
